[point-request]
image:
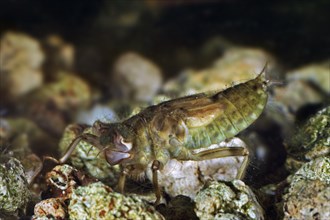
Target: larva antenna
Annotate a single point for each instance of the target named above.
(268, 82)
(262, 75)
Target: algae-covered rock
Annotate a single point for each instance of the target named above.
(53, 208)
(20, 137)
(318, 169)
(311, 141)
(88, 157)
(14, 192)
(97, 201)
(62, 181)
(226, 216)
(221, 199)
(309, 191)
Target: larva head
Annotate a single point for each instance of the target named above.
(265, 82)
(117, 141)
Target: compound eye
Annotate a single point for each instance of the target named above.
(100, 127)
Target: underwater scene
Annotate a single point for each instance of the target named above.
(164, 109)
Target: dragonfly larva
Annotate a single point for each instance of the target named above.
(179, 129)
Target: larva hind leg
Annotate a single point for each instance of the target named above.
(182, 153)
(225, 152)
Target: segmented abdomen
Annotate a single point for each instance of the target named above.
(241, 105)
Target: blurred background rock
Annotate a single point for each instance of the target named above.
(174, 33)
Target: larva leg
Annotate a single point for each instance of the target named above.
(122, 180)
(242, 169)
(155, 167)
(89, 138)
(225, 152)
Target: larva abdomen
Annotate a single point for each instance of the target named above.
(244, 104)
(241, 106)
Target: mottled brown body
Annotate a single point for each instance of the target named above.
(179, 127)
(174, 128)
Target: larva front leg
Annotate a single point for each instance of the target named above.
(122, 179)
(155, 167)
(89, 138)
